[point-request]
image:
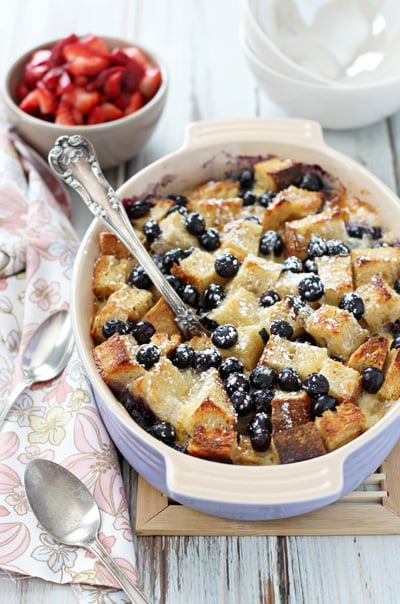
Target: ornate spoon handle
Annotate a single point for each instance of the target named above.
(74, 160)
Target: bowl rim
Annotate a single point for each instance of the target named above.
(332, 463)
(18, 64)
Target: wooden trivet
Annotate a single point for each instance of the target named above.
(372, 509)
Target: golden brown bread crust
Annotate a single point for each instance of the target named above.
(291, 204)
(328, 224)
(214, 444)
(298, 443)
(290, 409)
(371, 353)
(341, 426)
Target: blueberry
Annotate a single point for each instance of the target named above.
(224, 336)
(310, 266)
(292, 264)
(195, 223)
(158, 261)
(236, 381)
(180, 209)
(253, 218)
(381, 244)
(355, 230)
(372, 379)
(353, 303)
(230, 365)
(114, 326)
(226, 265)
(263, 376)
(139, 278)
(209, 240)
(262, 399)
(249, 198)
(263, 333)
(260, 429)
(315, 384)
(213, 296)
(336, 247)
(323, 403)
(281, 328)
(271, 243)
(180, 200)
(311, 181)
(163, 431)
(269, 298)
(288, 379)
(246, 179)
(142, 331)
(317, 247)
(206, 358)
(151, 230)
(396, 286)
(175, 282)
(242, 402)
(266, 198)
(375, 232)
(190, 295)
(208, 323)
(182, 356)
(148, 355)
(311, 288)
(136, 209)
(396, 342)
(173, 256)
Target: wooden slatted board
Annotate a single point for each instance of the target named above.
(372, 509)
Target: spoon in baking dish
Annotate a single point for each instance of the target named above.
(74, 160)
(67, 510)
(45, 356)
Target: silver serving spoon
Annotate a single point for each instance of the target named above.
(74, 160)
(46, 355)
(68, 511)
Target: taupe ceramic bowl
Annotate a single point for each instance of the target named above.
(258, 492)
(115, 141)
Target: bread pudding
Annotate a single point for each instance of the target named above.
(297, 283)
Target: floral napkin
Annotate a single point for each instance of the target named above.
(57, 420)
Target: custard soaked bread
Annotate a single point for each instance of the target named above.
(298, 284)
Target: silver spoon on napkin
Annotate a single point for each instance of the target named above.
(74, 160)
(45, 356)
(68, 511)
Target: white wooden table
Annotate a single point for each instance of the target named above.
(209, 79)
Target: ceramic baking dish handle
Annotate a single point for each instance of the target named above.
(290, 130)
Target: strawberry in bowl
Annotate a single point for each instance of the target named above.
(87, 85)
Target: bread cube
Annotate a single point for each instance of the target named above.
(358, 211)
(290, 409)
(244, 454)
(344, 382)
(256, 275)
(304, 358)
(328, 224)
(288, 282)
(337, 276)
(381, 303)
(240, 238)
(275, 174)
(292, 309)
(198, 269)
(336, 329)
(371, 353)
(240, 307)
(215, 444)
(159, 207)
(128, 302)
(390, 389)
(115, 360)
(109, 274)
(217, 212)
(382, 262)
(290, 204)
(162, 317)
(298, 443)
(248, 347)
(214, 189)
(110, 245)
(173, 234)
(341, 426)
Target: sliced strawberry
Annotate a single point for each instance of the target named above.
(30, 103)
(52, 77)
(112, 85)
(64, 84)
(33, 73)
(122, 101)
(118, 57)
(57, 56)
(82, 100)
(95, 43)
(83, 81)
(150, 82)
(21, 90)
(40, 56)
(133, 73)
(137, 55)
(64, 115)
(98, 82)
(136, 102)
(83, 60)
(106, 112)
(47, 99)
(95, 116)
